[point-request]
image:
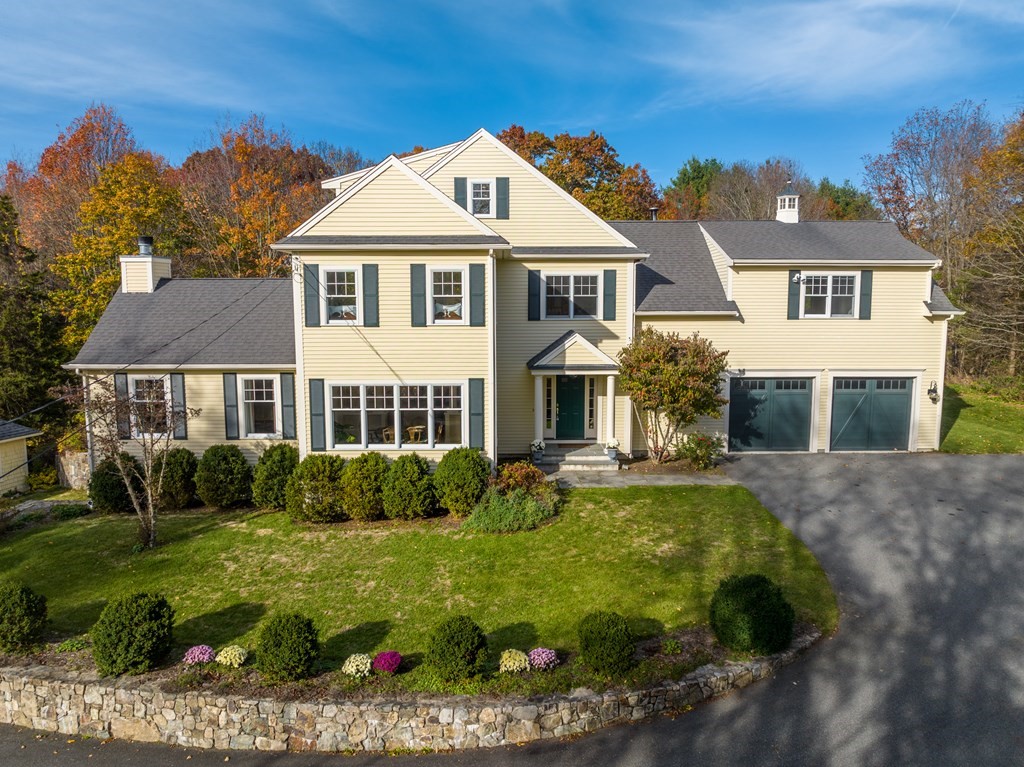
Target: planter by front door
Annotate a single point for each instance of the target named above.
(571, 401)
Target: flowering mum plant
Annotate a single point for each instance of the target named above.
(357, 665)
(232, 656)
(387, 662)
(513, 662)
(201, 653)
(537, 445)
(613, 443)
(543, 659)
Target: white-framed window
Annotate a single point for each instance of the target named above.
(829, 294)
(340, 288)
(407, 416)
(481, 197)
(572, 296)
(448, 297)
(150, 405)
(261, 407)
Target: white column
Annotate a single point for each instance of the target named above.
(538, 407)
(609, 420)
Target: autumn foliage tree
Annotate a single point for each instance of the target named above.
(672, 381)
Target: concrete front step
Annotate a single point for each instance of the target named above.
(584, 458)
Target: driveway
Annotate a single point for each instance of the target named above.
(926, 553)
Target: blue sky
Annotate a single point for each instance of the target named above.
(822, 81)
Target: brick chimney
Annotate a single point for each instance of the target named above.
(140, 273)
(788, 211)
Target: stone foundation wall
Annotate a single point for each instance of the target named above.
(73, 470)
(82, 704)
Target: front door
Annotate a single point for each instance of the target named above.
(571, 407)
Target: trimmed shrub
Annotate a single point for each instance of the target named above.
(224, 477)
(387, 662)
(178, 489)
(409, 489)
(750, 614)
(22, 616)
(313, 493)
(499, 513)
(287, 647)
(457, 649)
(521, 475)
(461, 479)
(133, 633)
(271, 475)
(606, 643)
(513, 662)
(701, 450)
(107, 490)
(362, 486)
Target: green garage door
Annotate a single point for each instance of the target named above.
(770, 413)
(871, 413)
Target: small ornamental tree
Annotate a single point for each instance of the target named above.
(672, 381)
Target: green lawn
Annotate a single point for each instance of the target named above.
(655, 554)
(975, 422)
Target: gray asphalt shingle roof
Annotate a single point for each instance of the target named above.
(815, 240)
(679, 275)
(392, 239)
(11, 430)
(939, 303)
(230, 322)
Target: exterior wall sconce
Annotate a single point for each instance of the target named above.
(933, 392)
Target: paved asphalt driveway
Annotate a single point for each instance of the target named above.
(926, 553)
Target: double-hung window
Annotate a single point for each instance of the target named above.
(481, 197)
(380, 414)
(571, 296)
(150, 402)
(341, 296)
(829, 295)
(259, 407)
(414, 416)
(448, 296)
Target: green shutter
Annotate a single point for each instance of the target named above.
(477, 296)
(124, 424)
(418, 282)
(533, 305)
(476, 413)
(609, 294)
(230, 406)
(317, 422)
(794, 295)
(371, 298)
(865, 294)
(501, 197)
(460, 192)
(178, 406)
(288, 405)
(311, 288)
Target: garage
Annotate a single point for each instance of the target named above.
(770, 414)
(871, 413)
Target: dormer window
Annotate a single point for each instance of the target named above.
(481, 197)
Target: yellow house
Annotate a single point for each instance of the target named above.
(458, 297)
(14, 456)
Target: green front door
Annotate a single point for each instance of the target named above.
(571, 405)
(871, 413)
(770, 414)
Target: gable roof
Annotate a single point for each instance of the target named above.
(775, 241)
(679, 276)
(546, 359)
(223, 322)
(10, 430)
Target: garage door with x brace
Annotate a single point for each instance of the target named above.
(871, 413)
(770, 414)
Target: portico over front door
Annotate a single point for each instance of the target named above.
(570, 411)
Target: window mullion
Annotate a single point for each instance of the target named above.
(430, 416)
(397, 415)
(364, 421)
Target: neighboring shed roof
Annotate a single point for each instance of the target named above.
(10, 430)
(680, 275)
(940, 304)
(355, 240)
(814, 241)
(230, 322)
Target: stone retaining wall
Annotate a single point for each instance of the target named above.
(51, 699)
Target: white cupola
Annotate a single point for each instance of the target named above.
(140, 273)
(788, 211)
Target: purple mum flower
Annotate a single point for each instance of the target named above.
(387, 662)
(201, 653)
(542, 658)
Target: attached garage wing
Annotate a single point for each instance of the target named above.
(871, 413)
(770, 414)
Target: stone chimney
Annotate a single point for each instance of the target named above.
(788, 211)
(142, 272)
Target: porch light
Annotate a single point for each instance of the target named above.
(933, 392)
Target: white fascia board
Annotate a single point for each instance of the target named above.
(527, 256)
(336, 181)
(411, 246)
(843, 262)
(655, 313)
(953, 313)
(485, 135)
(227, 367)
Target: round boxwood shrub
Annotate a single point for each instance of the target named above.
(461, 479)
(362, 486)
(606, 643)
(408, 489)
(224, 477)
(457, 649)
(271, 475)
(22, 616)
(313, 493)
(133, 633)
(750, 614)
(287, 647)
(107, 490)
(178, 488)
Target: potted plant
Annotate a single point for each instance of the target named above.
(537, 448)
(612, 447)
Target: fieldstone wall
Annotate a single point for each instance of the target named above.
(73, 470)
(83, 704)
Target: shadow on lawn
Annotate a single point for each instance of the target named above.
(220, 626)
(952, 407)
(521, 636)
(366, 638)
